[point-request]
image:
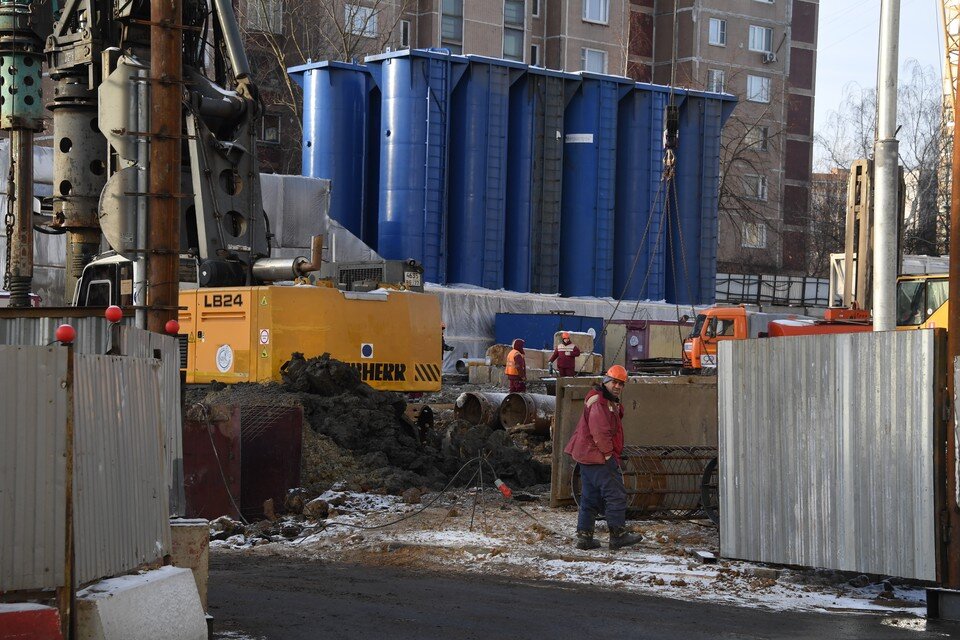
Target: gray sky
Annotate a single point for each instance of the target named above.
(847, 45)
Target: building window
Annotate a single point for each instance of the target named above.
(593, 60)
(535, 55)
(513, 13)
(754, 235)
(513, 44)
(758, 89)
(360, 21)
(761, 39)
(596, 11)
(536, 8)
(718, 32)
(265, 15)
(757, 138)
(451, 25)
(270, 128)
(404, 34)
(755, 187)
(715, 80)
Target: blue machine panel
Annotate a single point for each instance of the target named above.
(537, 329)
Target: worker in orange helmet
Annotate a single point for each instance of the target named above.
(565, 354)
(596, 446)
(516, 368)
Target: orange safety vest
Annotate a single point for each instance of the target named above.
(511, 368)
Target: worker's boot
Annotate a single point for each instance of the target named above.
(585, 541)
(620, 537)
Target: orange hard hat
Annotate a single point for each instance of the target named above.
(617, 373)
(565, 334)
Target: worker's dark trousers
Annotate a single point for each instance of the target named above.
(567, 373)
(602, 487)
(517, 385)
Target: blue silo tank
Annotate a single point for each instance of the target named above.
(589, 179)
(415, 89)
(534, 179)
(478, 172)
(691, 246)
(638, 221)
(334, 123)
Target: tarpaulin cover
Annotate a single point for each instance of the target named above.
(470, 315)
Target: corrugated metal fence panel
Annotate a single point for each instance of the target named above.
(121, 499)
(826, 452)
(93, 334)
(32, 467)
(143, 344)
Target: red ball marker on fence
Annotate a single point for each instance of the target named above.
(65, 334)
(172, 327)
(113, 314)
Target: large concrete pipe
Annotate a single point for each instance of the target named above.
(479, 408)
(528, 409)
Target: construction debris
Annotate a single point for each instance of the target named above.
(362, 438)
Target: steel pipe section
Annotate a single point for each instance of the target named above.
(479, 408)
(531, 409)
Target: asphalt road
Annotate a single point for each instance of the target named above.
(279, 598)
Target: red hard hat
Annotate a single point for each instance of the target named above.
(617, 373)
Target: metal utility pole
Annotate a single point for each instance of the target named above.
(163, 237)
(21, 114)
(952, 578)
(886, 172)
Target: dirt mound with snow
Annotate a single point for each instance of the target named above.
(356, 435)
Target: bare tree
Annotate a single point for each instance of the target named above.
(850, 132)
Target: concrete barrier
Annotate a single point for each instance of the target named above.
(190, 549)
(161, 605)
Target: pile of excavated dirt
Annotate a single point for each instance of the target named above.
(357, 436)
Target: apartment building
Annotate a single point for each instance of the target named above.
(763, 51)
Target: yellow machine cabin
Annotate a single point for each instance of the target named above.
(245, 334)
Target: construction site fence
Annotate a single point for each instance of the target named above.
(109, 411)
(831, 451)
(775, 290)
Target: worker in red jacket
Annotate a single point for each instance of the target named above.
(566, 354)
(516, 368)
(596, 446)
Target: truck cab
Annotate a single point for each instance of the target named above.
(922, 301)
(108, 280)
(720, 323)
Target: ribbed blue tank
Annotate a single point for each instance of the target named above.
(335, 106)
(638, 222)
(478, 173)
(534, 180)
(589, 181)
(415, 90)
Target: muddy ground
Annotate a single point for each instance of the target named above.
(358, 436)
